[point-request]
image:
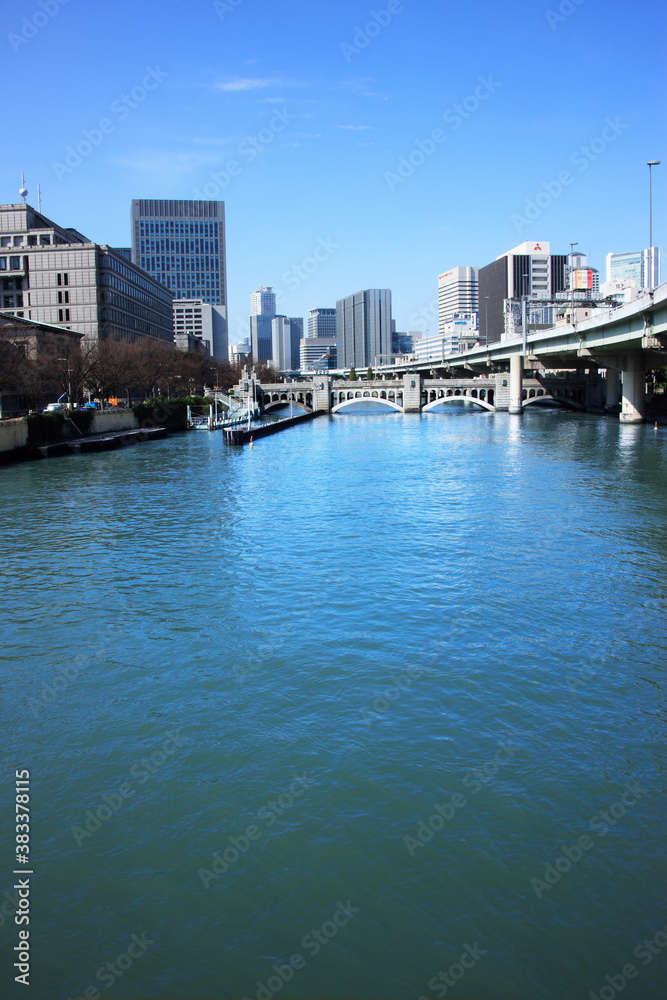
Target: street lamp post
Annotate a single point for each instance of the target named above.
(572, 246)
(69, 382)
(524, 318)
(649, 164)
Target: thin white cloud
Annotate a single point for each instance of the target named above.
(243, 83)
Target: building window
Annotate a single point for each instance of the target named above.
(5, 241)
(60, 315)
(32, 241)
(67, 315)
(3, 263)
(45, 241)
(59, 279)
(15, 263)
(65, 279)
(18, 241)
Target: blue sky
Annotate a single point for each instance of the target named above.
(317, 105)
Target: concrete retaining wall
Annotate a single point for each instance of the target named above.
(113, 420)
(13, 434)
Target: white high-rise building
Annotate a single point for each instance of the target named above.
(312, 350)
(458, 292)
(193, 317)
(263, 301)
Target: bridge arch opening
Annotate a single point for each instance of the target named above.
(459, 402)
(367, 405)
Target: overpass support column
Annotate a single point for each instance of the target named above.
(613, 390)
(516, 383)
(632, 401)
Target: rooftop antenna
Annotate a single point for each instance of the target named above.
(39, 199)
(23, 192)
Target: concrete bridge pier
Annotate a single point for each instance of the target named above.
(613, 390)
(632, 400)
(516, 383)
(412, 393)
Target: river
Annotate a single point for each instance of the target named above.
(341, 716)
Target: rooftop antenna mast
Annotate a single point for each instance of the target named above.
(23, 192)
(39, 198)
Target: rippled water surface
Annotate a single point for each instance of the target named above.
(355, 622)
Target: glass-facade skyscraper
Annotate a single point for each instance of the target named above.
(182, 245)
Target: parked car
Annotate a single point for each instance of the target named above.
(55, 407)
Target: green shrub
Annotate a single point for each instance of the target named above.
(169, 413)
(82, 420)
(45, 428)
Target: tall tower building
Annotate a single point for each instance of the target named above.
(263, 301)
(363, 327)
(262, 314)
(458, 292)
(182, 245)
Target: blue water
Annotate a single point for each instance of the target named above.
(365, 610)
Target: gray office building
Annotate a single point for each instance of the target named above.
(55, 275)
(286, 335)
(322, 323)
(363, 327)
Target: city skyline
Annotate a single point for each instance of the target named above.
(331, 175)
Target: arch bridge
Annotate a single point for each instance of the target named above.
(413, 393)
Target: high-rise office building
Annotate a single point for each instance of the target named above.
(56, 275)
(262, 314)
(363, 327)
(182, 245)
(263, 301)
(286, 335)
(640, 269)
(527, 269)
(458, 292)
(322, 323)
